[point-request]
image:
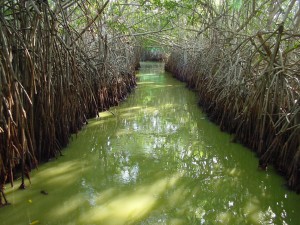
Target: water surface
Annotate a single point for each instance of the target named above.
(155, 159)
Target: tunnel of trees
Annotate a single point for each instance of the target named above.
(63, 61)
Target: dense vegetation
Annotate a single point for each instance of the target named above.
(60, 64)
(63, 61)
(244, 61)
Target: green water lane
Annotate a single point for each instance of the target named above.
(155, 159)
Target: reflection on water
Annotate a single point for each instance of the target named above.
(154, 159)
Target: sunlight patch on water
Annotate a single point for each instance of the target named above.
(67, 207)
(252, 210)
(125, 109)
(128, 207)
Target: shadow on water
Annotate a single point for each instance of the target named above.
(155, 159)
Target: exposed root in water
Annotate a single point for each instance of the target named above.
(260, 107)
(53, 79)
(2, 196)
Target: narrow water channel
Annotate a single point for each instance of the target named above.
(155, 159)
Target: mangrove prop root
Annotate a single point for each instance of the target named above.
(259, 105)
(52, 83)
(2, 195)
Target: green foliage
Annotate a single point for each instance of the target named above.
(237, 4)
(170, 5)
(120, 27)
(182, 20)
